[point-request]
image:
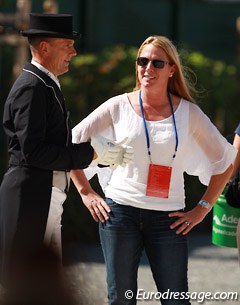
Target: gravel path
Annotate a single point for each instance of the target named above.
(211, 269)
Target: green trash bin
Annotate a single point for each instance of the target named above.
(225, 220)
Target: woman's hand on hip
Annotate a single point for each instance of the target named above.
(188, 220)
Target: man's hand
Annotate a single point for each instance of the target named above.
(111, 153)
(126, 155)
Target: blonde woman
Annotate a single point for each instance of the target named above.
(145, 200)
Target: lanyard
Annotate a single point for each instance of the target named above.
(146, 130)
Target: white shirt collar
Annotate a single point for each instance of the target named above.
(43, 69)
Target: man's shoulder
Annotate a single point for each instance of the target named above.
(29, 80)
(26, 82)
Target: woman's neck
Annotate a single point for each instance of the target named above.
(154, 98)
(156, 106)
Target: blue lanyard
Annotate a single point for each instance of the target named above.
(145, 125)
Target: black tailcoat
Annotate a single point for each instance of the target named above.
(37, 125)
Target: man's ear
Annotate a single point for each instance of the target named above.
(44, 47)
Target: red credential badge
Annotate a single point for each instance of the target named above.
(158, 180)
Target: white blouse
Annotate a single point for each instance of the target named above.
(202, 151)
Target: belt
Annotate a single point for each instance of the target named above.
(61, 180)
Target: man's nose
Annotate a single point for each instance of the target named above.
(73, 52)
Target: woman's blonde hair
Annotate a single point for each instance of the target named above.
(179, 84)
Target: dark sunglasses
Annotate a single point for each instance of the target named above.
(157, 63)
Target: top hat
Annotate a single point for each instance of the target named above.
(50, 25)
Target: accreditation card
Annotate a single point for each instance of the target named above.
(158, 183)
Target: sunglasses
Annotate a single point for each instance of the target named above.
(157, 63)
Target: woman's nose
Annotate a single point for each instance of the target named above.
(149, 65)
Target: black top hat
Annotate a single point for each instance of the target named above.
(50, 25)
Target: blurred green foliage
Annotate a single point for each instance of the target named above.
(219, 89)
(96, 77)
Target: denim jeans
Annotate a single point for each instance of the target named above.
(125, 235)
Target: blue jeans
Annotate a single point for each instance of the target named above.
(124, 237)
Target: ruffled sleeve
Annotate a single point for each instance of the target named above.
(209, 152)
(104, 173)
(99, 122)
(95, 123)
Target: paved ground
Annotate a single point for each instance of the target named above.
(211, 269)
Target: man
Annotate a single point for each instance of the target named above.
(40, 148)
